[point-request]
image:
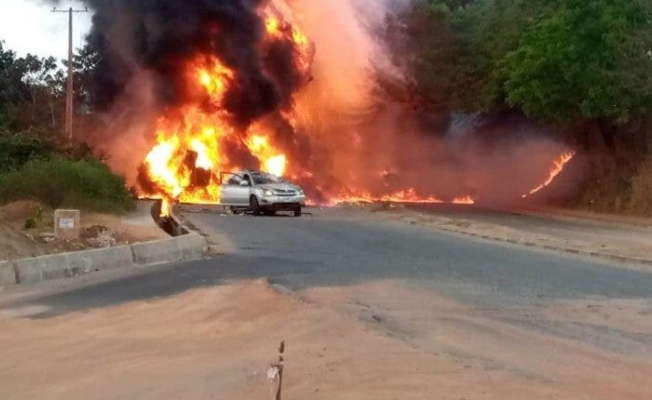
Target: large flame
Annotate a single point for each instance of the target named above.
(196, 142)
(186, 162)
(401, 196)
(273, 161)
(279, 29)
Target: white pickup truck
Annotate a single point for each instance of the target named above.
(261, 193)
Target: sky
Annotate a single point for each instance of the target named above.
(29, 26)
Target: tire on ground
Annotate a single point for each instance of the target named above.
(254, 205)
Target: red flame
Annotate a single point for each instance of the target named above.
(556, 169)
(402, 196)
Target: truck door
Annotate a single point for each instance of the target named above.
(228, 191)
(242, 191)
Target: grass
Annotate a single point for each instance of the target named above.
(640, 201)
(17, 149)
(617, 186)
(63, 182)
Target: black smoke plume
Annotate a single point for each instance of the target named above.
(163, 35)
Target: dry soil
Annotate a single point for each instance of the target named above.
(364, 342)
(98, 230)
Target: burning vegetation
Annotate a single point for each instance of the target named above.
(556, 169)
(243, 84)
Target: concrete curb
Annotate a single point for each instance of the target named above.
(181, 225)
(180, 248)
(68, 265)
(7, 274)
(188, 245)
(570, 250)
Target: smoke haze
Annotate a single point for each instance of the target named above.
(367, 140)
(343, 135)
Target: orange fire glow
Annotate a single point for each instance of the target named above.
(402, 196)
(468, 200)
(273, 161)
(276, 28)
(556, 169)
(185, 163)
(185, 150)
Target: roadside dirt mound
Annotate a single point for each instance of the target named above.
(15, 244)
(97, 231)
(18, 210)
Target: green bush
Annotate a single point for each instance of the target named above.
(18, 149)
(30, 223)
(62, 182)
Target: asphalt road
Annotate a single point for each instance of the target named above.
(340, 248)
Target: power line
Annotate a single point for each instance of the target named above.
(70, 90)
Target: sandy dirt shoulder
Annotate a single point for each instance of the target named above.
(606, 237)
(371, 341)
(97, 230)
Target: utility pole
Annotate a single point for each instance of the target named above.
(70, 89)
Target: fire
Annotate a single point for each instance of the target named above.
(468, 200)
(185, 163)
(159, 161)
(273, 161)
(273, 26)
(278, 29)
(215, 78)
(556, 169)
(197, 141)
(276, 165)
(181, 166)
(401, 196)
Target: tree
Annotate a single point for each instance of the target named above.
(426, 45)
(85, 64)
(42, 77)
(556, 60)
(38, 74)
(12, 87)
(587, 60)
(455, 48)
(30, 91)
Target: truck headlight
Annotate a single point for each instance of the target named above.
(268, 193)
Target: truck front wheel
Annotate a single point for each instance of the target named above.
(254, 206)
